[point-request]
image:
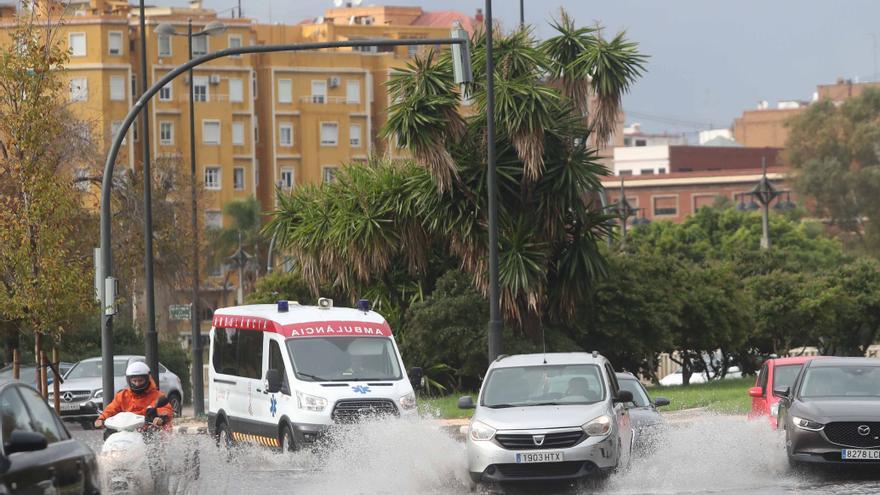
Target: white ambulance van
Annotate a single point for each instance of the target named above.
(281, 374)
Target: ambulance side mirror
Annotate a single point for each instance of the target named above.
(415, 377)
(273, 381)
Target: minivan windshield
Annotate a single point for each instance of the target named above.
(92, 369)
(326, 359)
(841, 381)
(543, 385)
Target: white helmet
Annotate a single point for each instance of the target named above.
(138, 368)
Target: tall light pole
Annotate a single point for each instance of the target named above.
(522, 14)
(195, 320)
(623, 211)
(764, 193)
(496, 344)
(462, 75)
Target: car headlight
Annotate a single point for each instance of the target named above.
(99, 394)
(480, 431)
(310, 402)
(774, 410)
(806, 424)
(408, 401)
(598, 427)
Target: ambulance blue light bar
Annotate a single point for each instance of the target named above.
(282, 306)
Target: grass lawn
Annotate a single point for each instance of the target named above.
(727, 396)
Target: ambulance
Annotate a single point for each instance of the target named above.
(282, 374)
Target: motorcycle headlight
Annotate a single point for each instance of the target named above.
(480, 431)
(310, 402)
(806, 424)
(598, 427)
(408, 401)
(774, 410)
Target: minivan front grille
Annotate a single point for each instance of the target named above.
(521, 441)
(353, 410)
(846, 433)
(548, 469)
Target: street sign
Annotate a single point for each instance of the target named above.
(180, 311)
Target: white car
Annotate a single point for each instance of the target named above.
(676, 378)
(282, 375)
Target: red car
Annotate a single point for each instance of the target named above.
(779, 372)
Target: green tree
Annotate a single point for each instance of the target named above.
(45, 278)
(834, 151)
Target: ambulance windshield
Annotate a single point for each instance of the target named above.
(325, 359)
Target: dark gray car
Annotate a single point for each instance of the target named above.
(831, 414)
(646, 421)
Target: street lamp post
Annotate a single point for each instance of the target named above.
(462, 75)
(240, 259)
(623, 211)
(764, 193)
(195, 320)
(496, 344)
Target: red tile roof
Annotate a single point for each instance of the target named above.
(445, 18)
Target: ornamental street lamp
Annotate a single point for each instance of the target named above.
(623, 211)
(763, 194)
(239, 259)
(165, 29)
(105, 270)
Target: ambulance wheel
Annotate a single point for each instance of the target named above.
(224, 436)
(288, 444)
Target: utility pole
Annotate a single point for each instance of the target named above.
(496, 345)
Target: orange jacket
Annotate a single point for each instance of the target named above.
(128, 401)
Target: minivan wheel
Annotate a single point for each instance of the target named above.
(288, 444)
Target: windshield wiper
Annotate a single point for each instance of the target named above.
(502, 406)
(313, 377)
(547, 404)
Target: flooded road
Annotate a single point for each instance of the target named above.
(707, 455)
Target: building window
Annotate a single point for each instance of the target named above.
(661, 170)
(328, 174)
(164, 45)
(666, 205)
(627, 141)
(79, 89)
(647, 171)
(256, 131)
(353, 92)
(412, 51)
(115, 126)
(285, 91)
(134, 86)
(236, 91)
(114, 42)
(235, 42)
(77, 42)
(212, 178)
(329, 133)
(210, 132)
(165, 92)
(286, 178)
(200, 88)
(285, 135)
(166, 133)
(213, 219)
(354, 135)
(254, 84)
(641, 142)
(701, 200)
(319, 91)
(200, 45)
(117, 88)
(625, 173)
(238, 178)
(238, 133)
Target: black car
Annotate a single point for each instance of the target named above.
(38, 454)
(645, 419)
(831, 414)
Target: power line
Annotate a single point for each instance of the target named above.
(669, 120)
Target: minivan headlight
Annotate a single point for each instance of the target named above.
(408, 401)
(806, 424)
(598, 427)
(310, 402)
(480, 431)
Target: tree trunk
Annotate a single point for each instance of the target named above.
(16, 370)
(56, 383)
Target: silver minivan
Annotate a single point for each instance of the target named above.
(555, 416)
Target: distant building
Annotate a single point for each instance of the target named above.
(660, 160)
(716, 137)
(765, 126)
(634, 136)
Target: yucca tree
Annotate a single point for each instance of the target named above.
(394, 220)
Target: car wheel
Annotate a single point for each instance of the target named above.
(176, 404)
(287, 442)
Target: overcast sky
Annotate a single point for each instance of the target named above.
(709, 59)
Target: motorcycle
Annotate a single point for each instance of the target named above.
(131, 457)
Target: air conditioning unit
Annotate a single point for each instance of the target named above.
(333, 81)
(214, 79)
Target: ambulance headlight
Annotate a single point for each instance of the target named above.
(310, 402)
(408, 401)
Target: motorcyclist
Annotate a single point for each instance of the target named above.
(141, 393)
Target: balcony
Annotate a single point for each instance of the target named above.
(326, 100)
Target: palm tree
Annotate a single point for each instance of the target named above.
(391, 220)
(244, 230)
